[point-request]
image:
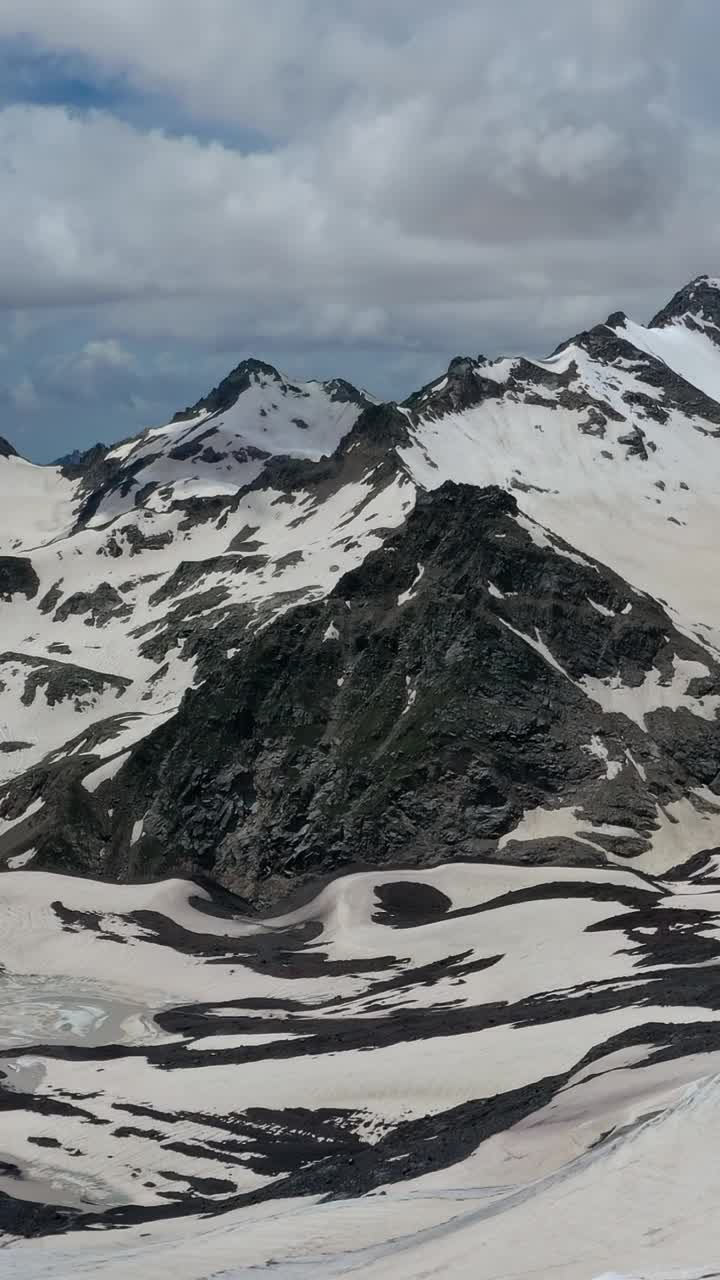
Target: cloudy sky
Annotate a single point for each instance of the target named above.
(342, 187)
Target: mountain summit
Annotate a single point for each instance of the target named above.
(697, 305)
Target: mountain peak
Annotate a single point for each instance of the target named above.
(7, 450)
(696, 305)
(225, 394)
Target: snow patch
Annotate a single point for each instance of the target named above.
(21, 859)
(600, 608)
(411, 695)
(93, 780)
(596, 747)
(538, 644)
(7, 824)
(410, 593)
(655, 692)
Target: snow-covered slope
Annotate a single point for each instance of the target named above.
(466, 1072)
(612, 442)
(115, 554)
(213, 451)
(37, 505)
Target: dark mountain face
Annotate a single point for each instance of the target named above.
(697, 305)
(6, 449)
(445, 688)
(85, 464)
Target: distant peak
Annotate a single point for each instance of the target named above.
(224, 395)
(251, 365)
(7, 450)
(342, 391)
(697, 304)
(460, 364)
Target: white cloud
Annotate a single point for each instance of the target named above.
(106, 352)
(24, 396)
(100, 367)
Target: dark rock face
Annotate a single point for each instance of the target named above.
(137, 540)
(99, 605)
(191, 448)
(635, 441)
(17, 577)
(6, 449)
(413, 715)
(463, 387)
(344, 392)
(51, 598)
(60, 680)
(83, 464)
(700, 298)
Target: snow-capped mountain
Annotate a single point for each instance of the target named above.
(143, 583)
(472, 641)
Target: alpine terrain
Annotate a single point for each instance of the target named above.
(360, 826)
